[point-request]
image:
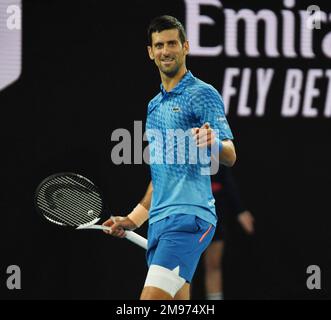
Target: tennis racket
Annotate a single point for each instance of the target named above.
(69, 199)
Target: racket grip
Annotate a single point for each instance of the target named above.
(136, 238)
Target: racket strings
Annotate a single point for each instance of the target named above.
(72, 201)
(64, 215)
(86, 197)
(67, 211)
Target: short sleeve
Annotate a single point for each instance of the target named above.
(208, 106)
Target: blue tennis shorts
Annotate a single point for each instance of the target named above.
(178, 240)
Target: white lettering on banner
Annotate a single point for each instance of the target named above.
(296, 91)
(193, 21)
(326, 45)
(288, 34)
(243, 109)
(228, 89)
(309, 111)
(251, 20)
(264, 78)
(291, 97)
(271, 23)
(301, 89)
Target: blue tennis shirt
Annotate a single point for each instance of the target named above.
(178, 166)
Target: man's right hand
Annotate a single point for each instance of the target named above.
(118, 225)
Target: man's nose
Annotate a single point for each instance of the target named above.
(165, 50)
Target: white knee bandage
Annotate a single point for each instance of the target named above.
(165, 279)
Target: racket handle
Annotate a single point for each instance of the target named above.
(136, 238)
(130, 235)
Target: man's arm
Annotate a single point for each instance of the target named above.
(140, 213)
(147, 199)
(134, 219)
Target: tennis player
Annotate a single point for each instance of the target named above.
(178, 202)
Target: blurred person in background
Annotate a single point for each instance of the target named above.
(228, 202)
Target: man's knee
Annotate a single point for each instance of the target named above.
(183, 293)
(153, 293)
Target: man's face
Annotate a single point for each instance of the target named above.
(168, 52)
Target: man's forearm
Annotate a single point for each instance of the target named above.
(147, 199)
(140, 213)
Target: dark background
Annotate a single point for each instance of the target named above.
(86, 73)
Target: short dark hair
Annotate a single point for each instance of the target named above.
(165, 22)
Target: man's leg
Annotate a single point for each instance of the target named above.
(213, 271)
(183, 293)
(175, 257)
(153, 293)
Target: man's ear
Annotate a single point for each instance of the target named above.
(186, 47)
(150, 52)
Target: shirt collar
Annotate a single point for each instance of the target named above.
(181, 85)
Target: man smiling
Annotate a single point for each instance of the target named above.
(178, 203)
